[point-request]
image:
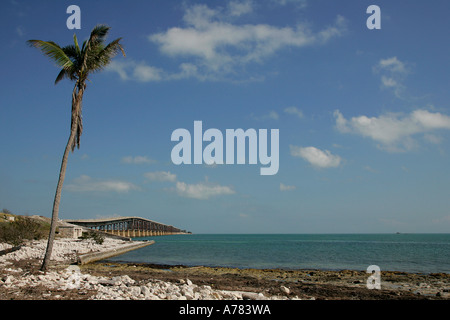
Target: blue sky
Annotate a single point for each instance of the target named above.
(363, 115)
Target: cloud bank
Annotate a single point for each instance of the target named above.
(161, 176)
(137, 160)
(214, 46)
(395, 132)
(201, 190)
(86, 184)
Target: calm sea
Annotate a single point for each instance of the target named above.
(420, 253)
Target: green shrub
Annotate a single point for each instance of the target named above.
(95, 236)
(21, 230)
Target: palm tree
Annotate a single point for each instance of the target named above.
(76, 64)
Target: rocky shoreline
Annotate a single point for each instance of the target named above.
(20, 279)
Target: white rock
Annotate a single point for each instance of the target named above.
(252, 296)
(145, 291)
(189, 295)
(285, 289)
(162, 296)
(135, 291)
(109, 288)
(8, 279)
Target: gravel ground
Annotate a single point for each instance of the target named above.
(20, 279)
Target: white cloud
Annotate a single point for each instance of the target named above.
(208, 39)
(201, 190)
(393, 72)
(161, 176)
(145, 73)
(272, 115)
(389, 82)
(142, 72)
(214, 47)
(217, 47)
(86, 184)
(393, 65)
(430, 121)
(294, 111)
(138, 71)
(316, 157)
(137, 160)
(394, 132)
(300, 4)
(284, 187)
(120, 67)
(239, 8)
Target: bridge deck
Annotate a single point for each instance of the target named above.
(128, 226)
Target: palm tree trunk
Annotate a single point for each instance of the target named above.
(54, 222)
(76, 104)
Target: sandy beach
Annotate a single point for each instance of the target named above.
(20, 279)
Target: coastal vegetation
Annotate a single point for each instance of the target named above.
(97, 237)
(16, 230)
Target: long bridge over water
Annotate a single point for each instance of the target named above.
(129, 226)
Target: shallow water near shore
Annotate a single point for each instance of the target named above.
(417, 253)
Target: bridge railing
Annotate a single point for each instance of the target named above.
(130, 227)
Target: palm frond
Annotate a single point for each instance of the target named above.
(53, 51)
(96, 56)
(99, 33)
(66, 74)
(62, 75)
(113, 48)
(77, 63)
(77, 47)
(104, 55)
(97, 37)
(83, 48)
(71, 52)
(70, 72)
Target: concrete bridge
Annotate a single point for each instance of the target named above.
(131, 227)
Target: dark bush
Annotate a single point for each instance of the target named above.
(95, 236)
(21, 230)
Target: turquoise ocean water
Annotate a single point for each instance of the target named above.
(420, 253)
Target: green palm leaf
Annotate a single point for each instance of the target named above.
(77, 63)
(53, 51)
